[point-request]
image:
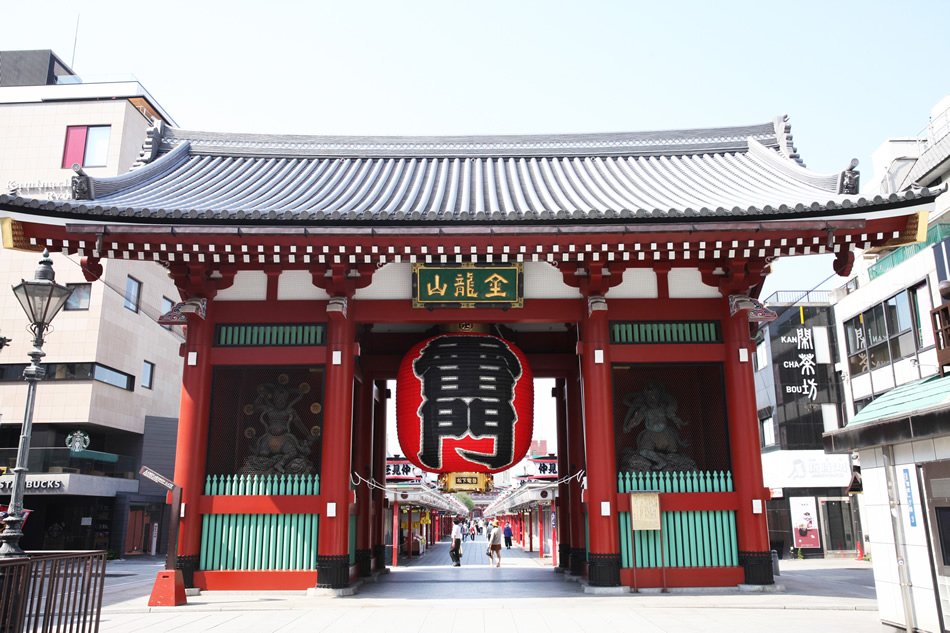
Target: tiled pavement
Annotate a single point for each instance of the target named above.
(524, 595)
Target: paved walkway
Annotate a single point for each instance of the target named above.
(524, 595)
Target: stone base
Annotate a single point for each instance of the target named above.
(329, 592)
(578, 558)
(192, 591)
(364, 562)
(603, 570)
(606, 591)
(761, 588)
(757, 567)
(188, 564)
(333, 571)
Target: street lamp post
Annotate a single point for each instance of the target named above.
(42, 298)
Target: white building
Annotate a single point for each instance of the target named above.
(898, 407)
(112, 371)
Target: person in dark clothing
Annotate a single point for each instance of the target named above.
(508, 535)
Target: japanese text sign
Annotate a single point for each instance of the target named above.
(467, 286)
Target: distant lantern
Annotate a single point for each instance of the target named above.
(465, 403)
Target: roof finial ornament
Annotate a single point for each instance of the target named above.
(849, 181)
(81, 184)
(153, 142)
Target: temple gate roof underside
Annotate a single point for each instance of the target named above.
(736, 174)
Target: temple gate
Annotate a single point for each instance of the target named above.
(641, 257)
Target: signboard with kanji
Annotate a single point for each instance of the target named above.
(464, 403)
(645, 511)
(467, 286)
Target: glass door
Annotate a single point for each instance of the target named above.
(837, 522)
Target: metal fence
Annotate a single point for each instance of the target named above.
(52, 591)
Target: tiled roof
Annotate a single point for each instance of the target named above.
(747, 173)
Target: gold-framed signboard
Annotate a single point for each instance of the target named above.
(468, 286)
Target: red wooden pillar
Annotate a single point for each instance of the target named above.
(576, 463)
(540, 531)
(554, 549)
(379, 475)
(753, 536)
(395, 539)
(192, 448)
(603, 560)
(530, 532)
(409, 534)
(563, 548)
(333, 559)
(363, 465)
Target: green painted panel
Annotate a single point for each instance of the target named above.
(664, 332)
(269, 335)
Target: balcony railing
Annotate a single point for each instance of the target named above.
(63, 460)
(794, 297)
(935, 234)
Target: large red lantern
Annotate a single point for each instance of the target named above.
(465, 403)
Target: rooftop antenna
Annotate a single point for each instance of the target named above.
(72, 61)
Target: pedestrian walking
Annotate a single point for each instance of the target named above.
(455, 552)
(508, 534)
(494, 544)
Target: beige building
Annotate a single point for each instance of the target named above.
(113, 373)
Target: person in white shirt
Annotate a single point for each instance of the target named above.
(455, 552)
(494, 544)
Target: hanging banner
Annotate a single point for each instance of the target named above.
(464, 403)
(804, 522)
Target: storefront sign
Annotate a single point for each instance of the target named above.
(464, 402)
(645, 511)
(467, 286)
(49, 484)
(909, 491)
(805, 469)
(77, 441)
(804, 522)
(157, 477)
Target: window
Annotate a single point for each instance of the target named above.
(79, 300)
(761, 356)
(72, 371)
(133, 294)
(86, 145)
(167, 305)
(943, 530)
(113, 377)
(148, 372)
(768, 432)
(887, 332)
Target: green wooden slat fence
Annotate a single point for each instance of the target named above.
(702, 538)
(664, 332)
(270, 335)
(260, 541)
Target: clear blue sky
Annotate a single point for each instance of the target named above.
(849, 73)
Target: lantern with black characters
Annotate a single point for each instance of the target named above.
(465, 404)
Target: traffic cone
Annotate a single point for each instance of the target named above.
(860, 555)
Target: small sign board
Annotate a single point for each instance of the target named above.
(157, 477)
(467, 286)
(645, 510)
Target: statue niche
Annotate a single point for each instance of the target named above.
(285, 443)
(659, 443)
